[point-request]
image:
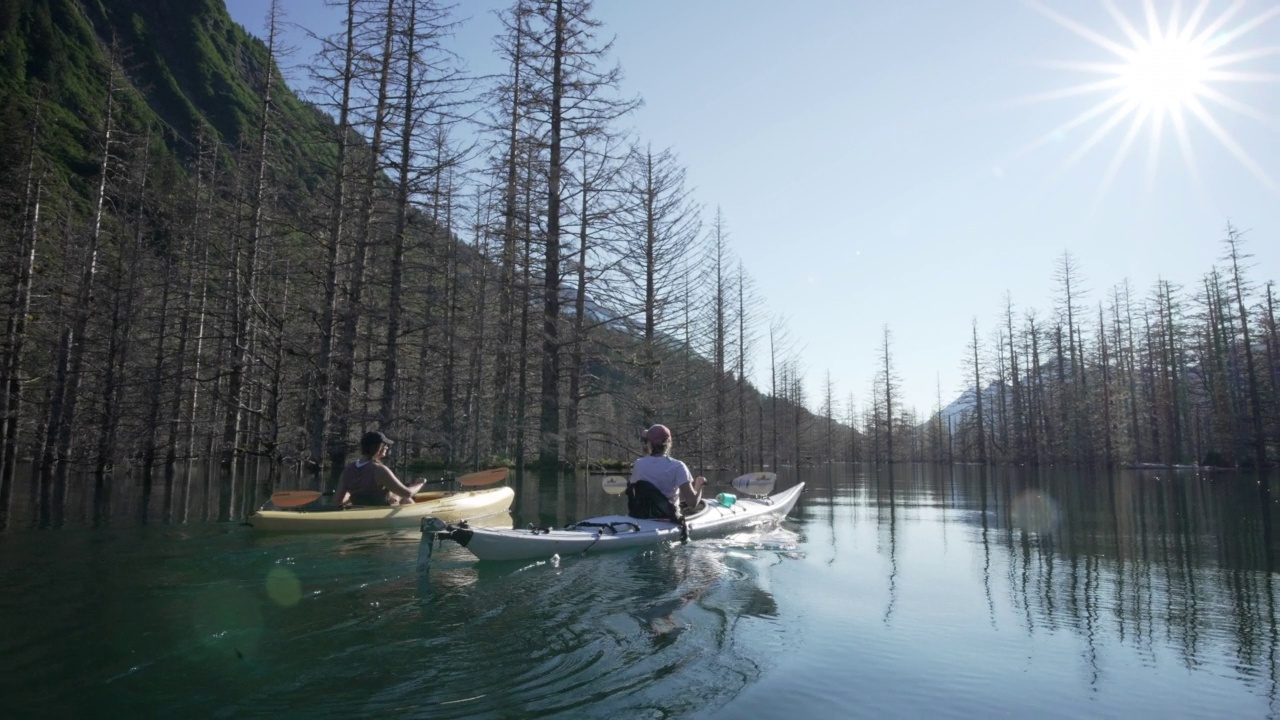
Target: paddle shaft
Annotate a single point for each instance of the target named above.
(299, 498)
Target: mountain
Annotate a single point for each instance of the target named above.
(966, 405)
(185, 65)
(597, 314)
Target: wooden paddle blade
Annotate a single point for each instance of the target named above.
(614, 484)
(484, 477)
(756, 483)
(294, 498)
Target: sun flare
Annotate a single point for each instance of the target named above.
(1175, 69)
(1166, 74)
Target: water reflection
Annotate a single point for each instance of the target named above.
(1142, 559)
(1152, 587)
(184, 492)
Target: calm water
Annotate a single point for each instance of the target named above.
(935, 591)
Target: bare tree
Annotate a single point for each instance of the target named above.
(569, 72)
(746, 316)
(662, 233)
(718, 262)
(344, 362)
(1234, 242)
(1273, 360)
(69, 368)
(597, 211)
(978, 392)
(888, 382)
(509, 96)
(780, 346)
(342, 76)
(1105, 363)
(427, 88)
(245, 273)
(15, 339)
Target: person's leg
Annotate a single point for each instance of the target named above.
(413, 489)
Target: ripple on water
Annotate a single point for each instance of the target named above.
(346, 628)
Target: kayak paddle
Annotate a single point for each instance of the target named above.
(298, 498)
(614, 484)
(295, 498)
(756, 483)
(484, 477)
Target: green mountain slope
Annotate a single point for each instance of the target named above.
(186, 63)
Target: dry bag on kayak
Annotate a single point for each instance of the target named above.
(646, 502)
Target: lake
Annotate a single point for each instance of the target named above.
(889, 592)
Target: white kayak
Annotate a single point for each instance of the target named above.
(611, 532)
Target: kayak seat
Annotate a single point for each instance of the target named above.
(646, 502)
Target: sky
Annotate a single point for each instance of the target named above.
(909, 164)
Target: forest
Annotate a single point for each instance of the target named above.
(200, 262)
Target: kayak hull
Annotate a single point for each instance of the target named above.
(452, 507)
(618, 532)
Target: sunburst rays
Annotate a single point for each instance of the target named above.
(1166, 72)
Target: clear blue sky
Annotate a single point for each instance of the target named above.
(895, 162)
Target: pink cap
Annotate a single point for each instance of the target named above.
(656, 435)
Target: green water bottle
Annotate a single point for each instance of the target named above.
(726, 499)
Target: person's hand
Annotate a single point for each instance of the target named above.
(698, 482)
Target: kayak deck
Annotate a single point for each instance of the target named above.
(450, 506)
(612, 532)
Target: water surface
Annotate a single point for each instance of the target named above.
(953, 592)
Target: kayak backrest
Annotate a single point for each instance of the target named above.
(646, 502)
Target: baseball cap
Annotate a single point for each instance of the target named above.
(373, 438)
(656, 435)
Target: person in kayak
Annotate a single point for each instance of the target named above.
(368, 482)
(660, 485)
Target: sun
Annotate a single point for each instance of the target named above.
(1169, 72)
(1166, 74)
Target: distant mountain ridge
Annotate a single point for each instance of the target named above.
(967, 404)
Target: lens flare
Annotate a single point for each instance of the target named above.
(1035, 512)
(283, 586)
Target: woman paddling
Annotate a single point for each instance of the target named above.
(368, 482)
(658, 471)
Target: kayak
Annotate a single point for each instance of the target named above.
(719, 516)
(450, 506)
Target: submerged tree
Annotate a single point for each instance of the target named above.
(1234, 242)
(887, 380)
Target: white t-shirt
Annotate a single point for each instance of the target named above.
(665, 473)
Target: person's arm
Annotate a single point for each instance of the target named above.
(688, 476)
(392, 484)
(692, 487)
(340, 493)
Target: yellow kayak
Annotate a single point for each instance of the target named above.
(448, 506)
